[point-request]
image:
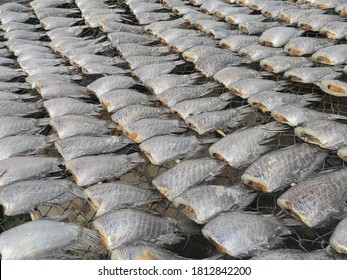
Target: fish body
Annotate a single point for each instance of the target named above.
(202, 203)
(237, 42)
(335, 30)
(278, 36)
(308, 75)
(229, 75)
(292, 16)
(17, 125)
(231, 233)
(334, 87)
(23, 168)
(278, 169)
(296, 115)
(319, 200)
(185, 175)
(128, 49)
(279, 64)
(256, 52)
(44, 238)
(305, 45)
(342, 153)
(316, 21)
(327, 134)
(75, 125)
(89, 170)
(338, 239)
(197, 53)
(332, 55)
(293, 254)
(250, 86)
(78, 146)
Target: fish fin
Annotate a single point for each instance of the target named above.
(91, 238)
(210, 85)
(227, 96)
(248, 199)
(43, 122)
(195, 75)
(311, 97)
(188, 227)
(338, 117)
(77, 191)
(136, 158)
(171, 238)
(171, 57)
(275, 127)
(193, 152)
(208, 140)
(211, 175)
(179, 62)
(52, 138)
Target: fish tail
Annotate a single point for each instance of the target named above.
(136, 158)
(227, 96)
(195, 75)
(311, 97)
(208, 140)
(91, 238)
(275, 127)
(77, 191)
(52, 138)
(188, 227)
(210, 85)
(42, 122)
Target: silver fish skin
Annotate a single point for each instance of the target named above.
(11, 26)
(236, 19)
(334, 30)
(42, 13)
(145, 7)
(217, 120)
(109, 26)
(319, 200)
(316, 21)
(237, 42)
(125, 226)
(277, 37)
(209, 7)
(186, 174)
(223, 11)
(171, 35)
(13, 87)
(18, 108)
(150, 71)
(182, 44)
(50, 23)
(332, 55)
(36, 4)
(94, 20)
(258, 5)
(338, 239)
(202, 203)
(23, 168)
(255, 27)
(296, 115)
(8, 16)
(192, 17)
(231, 234)
(279, 64)
(229, 75)
(191, 107)
(66, 32)
(146, 128)
(221, 33)
(258, 52)
(174, 95)
(50, 89)
(115, 100)
(197, 53)
(308, 75)
(25, 48)
(69, 106)
(36, 62)
(9, 74)
(293, 254)
(40, 80)
(132, 113)
(65, 70)
(6, 61)
(82, 59)
(278, 169)
(342, 153)
(182, 10)
(147, 18)
(22, 145)
(273, 11)
(143, 251)
(23, 34)
(326, 4)
(45, 237)
(205, 24)
(161, 83)
(130, 49)
(162, 149)
(13, 7)
(138, 61)
(250, 86)
(325, 133)
(90, 170)
(37, 55)
(305, 45)
(78, 125)
(241, 148)
(269, 100)
(23, 197)
(78, 146)
(156, 27)
(119, 38)
(108, 83)
(105, 197)
(99, 68)
(211, 65)
(17, 125)
(6, 95)
(334, 87)
(292, 16)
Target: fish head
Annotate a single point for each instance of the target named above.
(256, 182)
(291, 208)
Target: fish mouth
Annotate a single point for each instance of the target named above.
(285, 18)
(192, 126)
(244, 29)
(246, 55)
(105, 104)
(230, 21)
(255, 184)
(219, 15)
(324, 60)
(330, 35)
(150, 89)
(200, 27)
(260, 106)
(268, 67)
(165, 191)
(310, 138)
(280, 118)
(132, 135)
(219, 248)
(219, 157)
(295, 79)
(337, 90)
(93, 204)
(146, 255)
(306, 26)
(150, 157)
(267, 15)
(267, 43)
(175, 49)
(186, 209)
(294, 52)
(323, 6)
(289, 207)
